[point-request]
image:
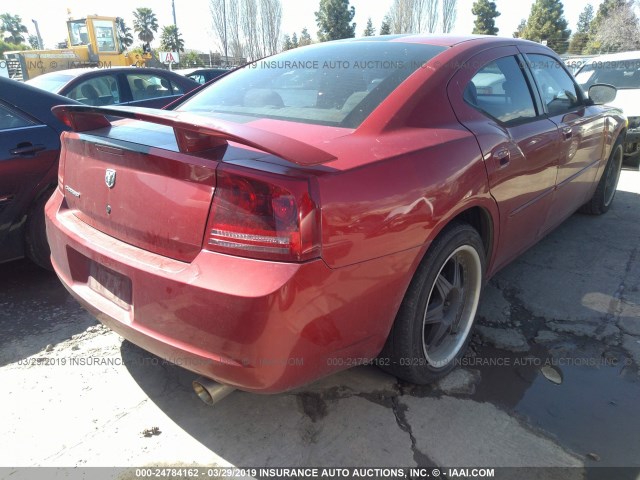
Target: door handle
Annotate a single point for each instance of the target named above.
(26, 149)
(503, 157)
(567, 132)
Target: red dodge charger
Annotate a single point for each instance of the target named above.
(332, 205)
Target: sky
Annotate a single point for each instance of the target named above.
(194, 19)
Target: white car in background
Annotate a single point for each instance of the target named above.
(575, 62)
(622, 70)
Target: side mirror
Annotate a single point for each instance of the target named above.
(601, 93)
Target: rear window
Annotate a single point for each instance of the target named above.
(51, 83)
(622, 74)
(338, 84)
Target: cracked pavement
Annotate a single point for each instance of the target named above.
(551, 379)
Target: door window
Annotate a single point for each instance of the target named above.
(559, 92)
(145, 86)
(9, 119)
(500, 90)
(97, 91)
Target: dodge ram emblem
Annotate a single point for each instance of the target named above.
(110, 177)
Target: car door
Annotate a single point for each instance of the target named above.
(581, 129)
(28, 152)
(494, 97)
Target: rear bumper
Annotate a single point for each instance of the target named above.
(256, 325)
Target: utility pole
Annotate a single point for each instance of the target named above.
(175, 24)
(173, 7)
(40, 44)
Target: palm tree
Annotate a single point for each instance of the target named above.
(12, 25)
(170, 39)
(145, 24)
(124, 34)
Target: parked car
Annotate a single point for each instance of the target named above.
(202, 75)
(141, 87)
(575, 62)
(29, 150)
(622, 70)
(267, 232)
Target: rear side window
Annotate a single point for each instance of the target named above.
(197, 77)
(339, 84)
(146, 86)
(97, 91)
(10, 119)
(559, 92)
(500, 90)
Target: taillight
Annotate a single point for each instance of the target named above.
(263, 216)
(61, 161)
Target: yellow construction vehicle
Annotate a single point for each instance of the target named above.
(91, 42)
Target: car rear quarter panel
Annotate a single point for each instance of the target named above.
(404, 174)
(404, 200)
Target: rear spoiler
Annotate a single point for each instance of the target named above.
(195, 133)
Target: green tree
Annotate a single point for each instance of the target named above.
(125, 38)
(619, 31)
(294, 40)
(333, 19)
(12, 28)
(33, 42)
(547, 23)
(605, 10)
(385, 28)
(286, 42)
(145, 24)
(579, 40)
(521, 26)
(486, 14)
(369, 31)
(585, 19)
(191, 59)
(170, 39)
(305, 38)
(9, 47)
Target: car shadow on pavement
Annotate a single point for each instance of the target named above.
(301, 427)
(35, 311)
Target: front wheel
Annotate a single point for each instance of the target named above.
(606, 189)
(433, 326)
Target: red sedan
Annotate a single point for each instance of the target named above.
(327, 206)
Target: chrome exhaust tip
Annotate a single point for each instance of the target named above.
(210, 392)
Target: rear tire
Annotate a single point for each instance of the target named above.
(433, 326)
(37, 246)
(606, 189)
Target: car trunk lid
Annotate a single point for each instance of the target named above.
(156, 197)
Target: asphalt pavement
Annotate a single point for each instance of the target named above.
(551, 379)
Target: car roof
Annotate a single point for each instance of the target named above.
(76, 72)
(34, 101)
(444, 40)
(186, 71)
